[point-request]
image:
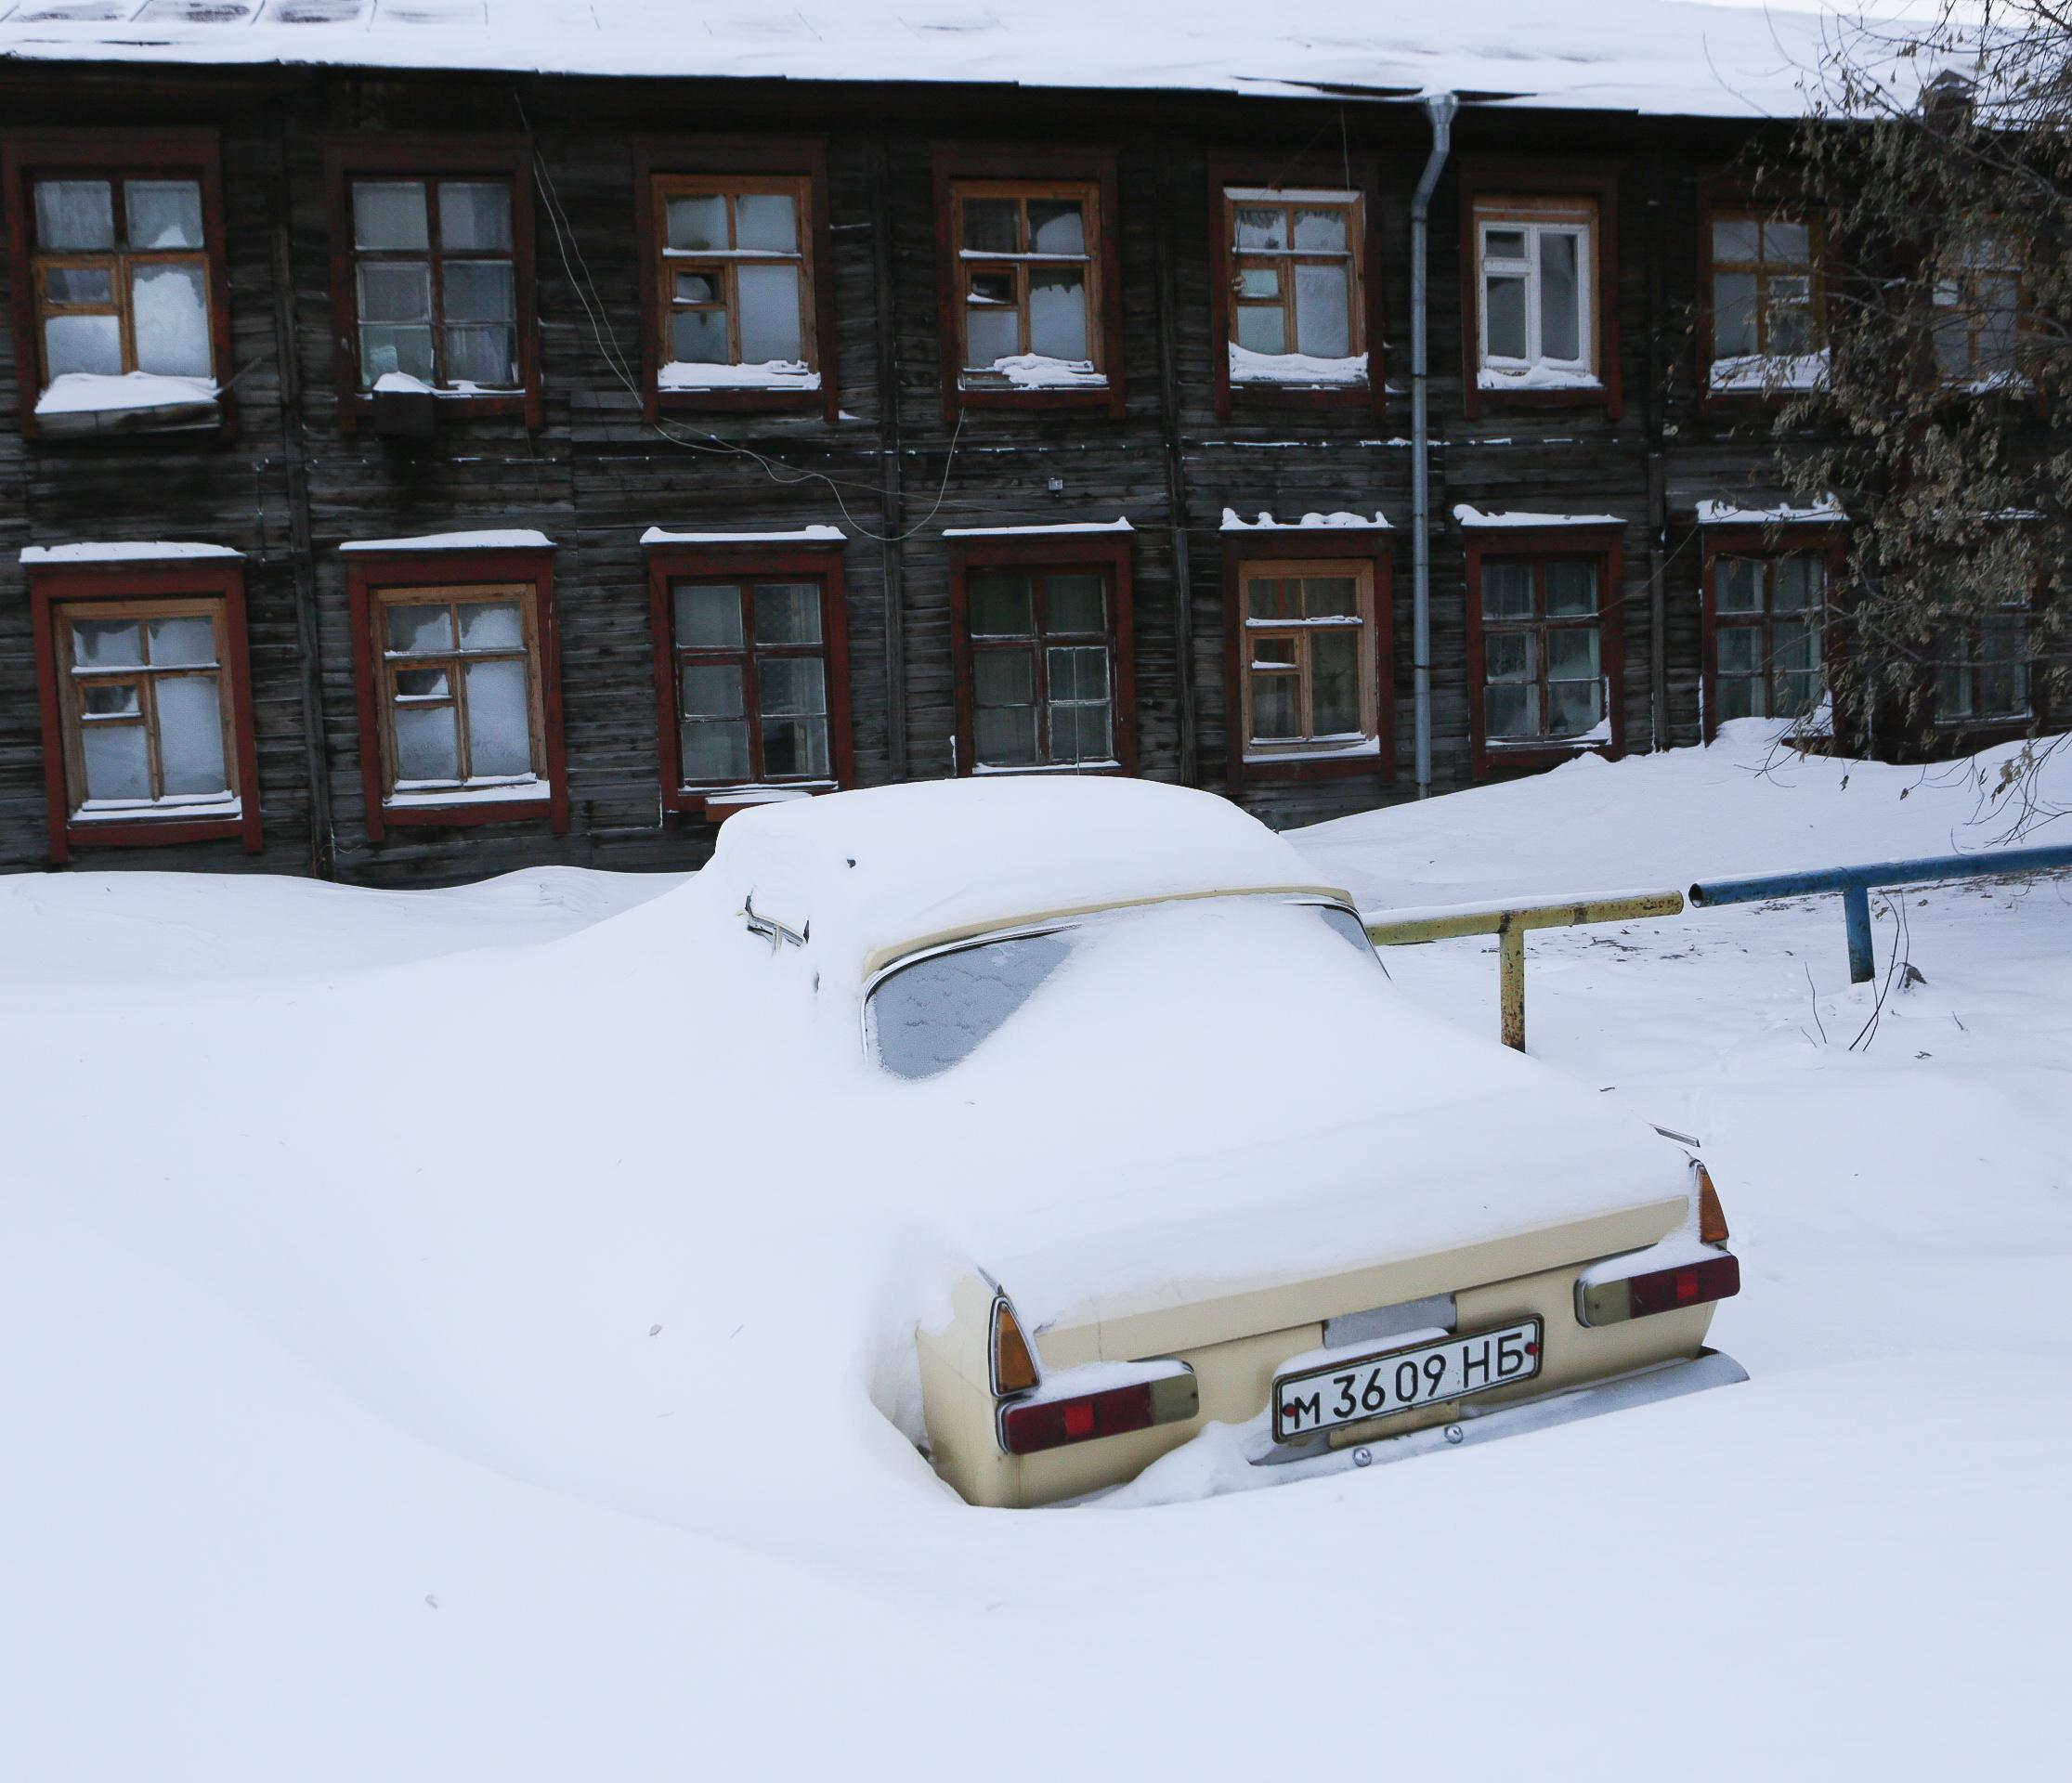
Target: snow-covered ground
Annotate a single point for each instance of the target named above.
(249, 1538)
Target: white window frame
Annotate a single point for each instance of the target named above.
(1520, 219)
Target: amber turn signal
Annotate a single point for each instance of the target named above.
(1712, 1216)
(1014, 1369)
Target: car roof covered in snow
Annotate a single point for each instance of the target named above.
(1659, 56)
(878, 872)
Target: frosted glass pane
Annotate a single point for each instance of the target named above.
(395, 293)
(794, 746)
(500, 734)
(1790, 242)
(993, 224)
(1504, 317)
(1335, 683)
(791, 686)
(767, 221)
(163, 213)
(1074, 602)
(1276, 706)
(479, 291)
(170, 310)
(190, 734)
(1259, 281)
(422, 684)
(993, 335)
(714, 752)
(769, 314)
(1317, 230)
(1000, 607)
(426, 743)
(491, 625)
(389, 214)
(384, 349)
(187, 641)
(110, 700)
(1572, 589)
(82, 343)
(1006, 737)
(1261, 329)
(1057, 312)
(117, 764)
(79, 285)
(1056, 227)
(1573, 707)
(418, 630)
(698, 224)
(1506, 590)
(1323, 312)
(474, 215)
(74, 214)
(787, 612)
(709, 615)
(107, 644)
(1004, 677)
(1561, 314)
(1262, 231)
(1733, 315)
(483, 353)
(712, 690)
(1737, 237)
(698, 337)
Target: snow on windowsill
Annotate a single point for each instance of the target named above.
(817, 535)
(1035, 372)
(1364, 747)
(759, 795)
(1597, 736)
(401, 383)
(1340, 521)
(95, 393)
(1536, 377)
(493, 539)
(987, 770)
(682, 375)
(1118, 525)
(1754, 374)
(122, 551)
(174, 808)
(1302, 371)
(1465, 515)
(424, 795)
(1723, 514)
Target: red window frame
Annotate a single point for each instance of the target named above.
(1730, 194)
(1482, 181)
(668, 565)
(367, 574)
(1536, 544)
(1361, 177)
(1828, 542)
(1375, 548)
(28, 155)
(1106, 551)
(958, 161)
(802, 158)
(431, 158)
(210, 579)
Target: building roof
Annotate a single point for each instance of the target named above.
(1659, 56)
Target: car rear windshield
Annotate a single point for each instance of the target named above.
(934, 1013)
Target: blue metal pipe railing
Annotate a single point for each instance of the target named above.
(1856, 884)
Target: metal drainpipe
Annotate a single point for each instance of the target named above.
(1441, 107)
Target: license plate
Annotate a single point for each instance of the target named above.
(1400, 1380)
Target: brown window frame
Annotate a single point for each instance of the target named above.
(1011, 172)
(2015, 384)
(1485, 186)
(749, 562)
(1729, 199)
(799, 164)
(27, 156)
(1106, 551)
(431, 159)
(1986, 726)
(376, 580)
(1358, 181)
(187, 585)
(1371, 556)
(1828, 543)
(1541, 545)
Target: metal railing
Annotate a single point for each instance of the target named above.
(1509, 923)
(1857, 883)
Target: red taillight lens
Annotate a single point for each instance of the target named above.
(1052, 1423)
(1689, 1284)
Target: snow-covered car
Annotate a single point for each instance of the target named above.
(1218, 1206)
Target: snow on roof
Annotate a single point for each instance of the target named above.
(493, 539)
(1660, 57)
(121, 550)
(1117, 525)
(1235, 522)
(1724, 513)
(1465, 515)
(797, 536)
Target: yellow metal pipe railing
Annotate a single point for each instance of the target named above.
(1508, 924)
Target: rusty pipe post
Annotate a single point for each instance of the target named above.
(1510, 973)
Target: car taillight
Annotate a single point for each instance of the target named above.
(1637, 1297)
(1032, 1424)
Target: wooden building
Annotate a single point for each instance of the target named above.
(420, 463)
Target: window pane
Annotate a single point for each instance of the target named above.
(1276, 706)
(1737, 237)
(1504, 244)
(74, 215)
(190, 734)
(427, 744)
(1262, 599)
(187, 641)
(788, 613)
(92, 344)
(1274, 653)
(712, 690)
(389, 215)
(1004, 677)
(162, 212)
(1318, 231)
(1259, 281)
(384, 349)
(1742, 697)
(1057, 312)
(1999, 314)
(479, 291)
(1261, 329)
(769, 314)
(766, 221)
(1323, 311)
(1077, 672)
(1789, 316)
(1504, 316)
(1001, 607)
(1572, 652)
(794, 746)
(1740, 648)
(715, 751)
(1794, 647)
(491, 625)
(700, 288)
(1506, 590)
(107, 644)
(169, 310)
(697, 225)
(1335, 683)
(1055, 227)
(707, 615)
(1737, 585)
(1797, 695)
(117, 764)
(1574, 706)
(1560, 297)
(392, 291)
(1330, 597)
(500, 734)
(422, 684)
(698, 337)
(79, 285)
(474, 215)
(1798, 581)
(1512, 710)
(1733, 315)
(991, 335)
(110, 700)
(485, 356)
(1508, 656)
(418, 630)
(1262, 231)
(1005, 737)
(1572, 589)
(1081, 732)
(791, 686)
(1074, 602)
(993, 224)
(1790, 242)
